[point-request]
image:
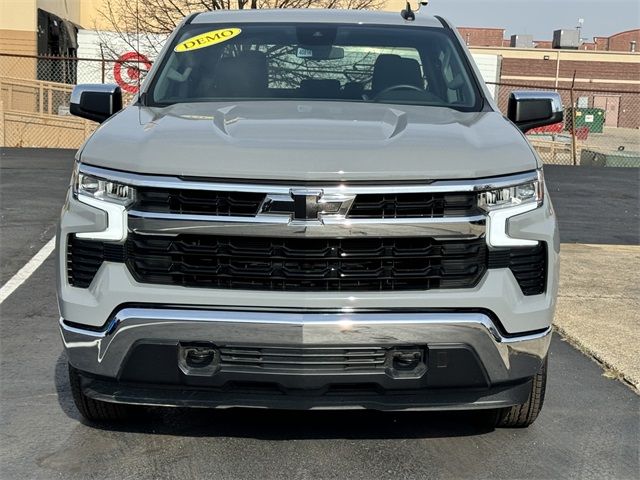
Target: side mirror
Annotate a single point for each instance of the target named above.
(95, 101)
(534, 109)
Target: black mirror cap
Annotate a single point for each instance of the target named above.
(534, 109)
(95, 101)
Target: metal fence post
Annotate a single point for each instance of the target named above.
(2, 129)
(102, 63)
(574, 147)
(40, 98)
(557, 70)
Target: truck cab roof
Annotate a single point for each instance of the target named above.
(313, 15)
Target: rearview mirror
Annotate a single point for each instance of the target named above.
(534, 109)
(95, 101)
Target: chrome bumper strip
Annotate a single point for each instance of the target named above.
(504, 358)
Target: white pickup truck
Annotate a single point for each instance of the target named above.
(309, 209)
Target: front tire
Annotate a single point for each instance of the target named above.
(96, 410)
(521, 416)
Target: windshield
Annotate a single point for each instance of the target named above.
(356, 63)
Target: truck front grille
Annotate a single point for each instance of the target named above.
(417, 205)
(306, 264)
(198, 202)
(248, 204)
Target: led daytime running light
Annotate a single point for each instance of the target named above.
(102, 189)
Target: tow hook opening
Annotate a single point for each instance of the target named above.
(407, 362)
(198, 358)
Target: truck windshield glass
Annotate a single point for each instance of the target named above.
(401, 65)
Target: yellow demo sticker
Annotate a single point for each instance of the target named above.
(207, 39)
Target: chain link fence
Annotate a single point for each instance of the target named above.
(601, 127)
(35, 93)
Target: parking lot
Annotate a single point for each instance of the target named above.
(589, 427)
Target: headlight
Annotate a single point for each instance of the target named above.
(526, 193)
(102, 189)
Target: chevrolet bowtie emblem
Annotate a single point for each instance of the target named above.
(307, 205)
(314, 204)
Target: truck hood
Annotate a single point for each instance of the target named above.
(309, 141)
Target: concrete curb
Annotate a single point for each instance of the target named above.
(610, 370)
(598, 305)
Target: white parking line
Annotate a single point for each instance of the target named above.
(25, 272)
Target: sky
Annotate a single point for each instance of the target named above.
(541, 17)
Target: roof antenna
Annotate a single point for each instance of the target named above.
(407, 13)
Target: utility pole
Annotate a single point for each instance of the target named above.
(579, 28)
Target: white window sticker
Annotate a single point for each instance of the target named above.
(304, 53)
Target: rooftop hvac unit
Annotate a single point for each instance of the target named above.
(522, 41)
(567, 39)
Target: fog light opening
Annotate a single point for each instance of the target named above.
(407, 362)
(200, 358)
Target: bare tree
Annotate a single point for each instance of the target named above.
(141, 26)
(141, 22)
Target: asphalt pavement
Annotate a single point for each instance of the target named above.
(33, 183)
(595, 204)
(589, 427)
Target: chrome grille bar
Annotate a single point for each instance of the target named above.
(282, 226)
(332, 188)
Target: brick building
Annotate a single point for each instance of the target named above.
(627, 41)
(482, 37)
(608, 80)
(549, 44)
(620, 42)
(543, 44)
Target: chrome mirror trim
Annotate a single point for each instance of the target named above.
(78, 90)
(553, 97)
(93, 107)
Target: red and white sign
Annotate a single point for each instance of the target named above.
(97, 51)
(126, 70)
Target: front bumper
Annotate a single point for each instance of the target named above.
(468, 362)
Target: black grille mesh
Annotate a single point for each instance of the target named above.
(399, 205)
(307, 264)
(84, 258)
(405, 205)
(198, 202)
(308, 359)
(528, 265)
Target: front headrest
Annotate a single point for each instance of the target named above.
(390, 70)
(244, 75)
